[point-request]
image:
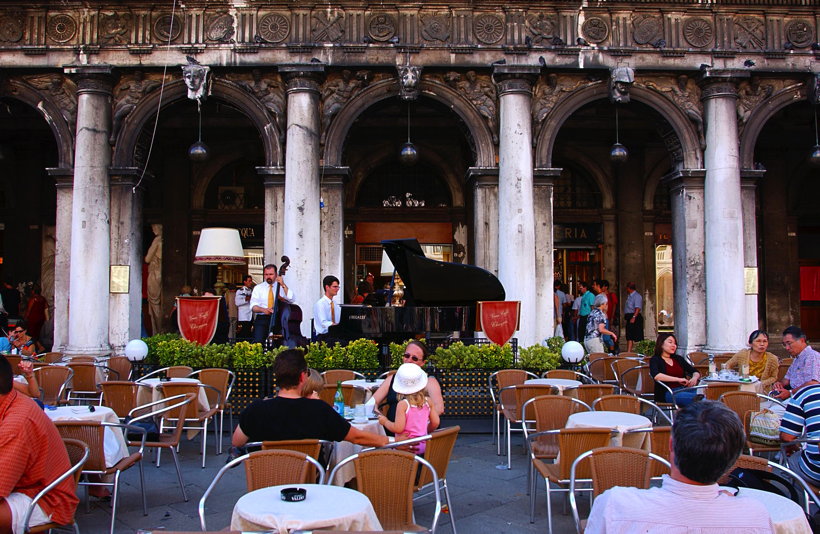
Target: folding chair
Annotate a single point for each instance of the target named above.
(497, 382)
(221, 381)
(513, 415)
(192, 413)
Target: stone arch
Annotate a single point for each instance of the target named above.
(653, 180)
(685, 130)
(376, 92)
(598, 174)
(62, 130)
(176, 91)
(761, 115)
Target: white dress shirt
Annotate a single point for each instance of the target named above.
(259, 297)
(322, 316)
(243, 305)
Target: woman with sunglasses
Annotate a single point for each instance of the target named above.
(416, 352)
(22, 342)
(761, 364)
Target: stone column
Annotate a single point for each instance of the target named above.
(302, 220)
(125, 309)
(64, 182)
(332, 209)
(723, 222)
(485, 217)
(516, 216)
(688, 267)
(274, 180)
(748, 192)
(544, 236)
(91, 204)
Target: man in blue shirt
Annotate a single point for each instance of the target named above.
(803, 415)
(587, 298)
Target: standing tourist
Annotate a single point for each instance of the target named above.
(632, 316)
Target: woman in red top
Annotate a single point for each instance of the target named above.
(36, 311)
(673, 370)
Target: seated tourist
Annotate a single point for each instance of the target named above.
(314, 383)
(22, 342)
(804, 371)
(803, 416)
(291, 416)
(27, 469)
(30, 388)
(673, 370)
(761, 364)
(707, 438)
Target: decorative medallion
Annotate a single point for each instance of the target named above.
(646, 29)
(541, 26)
(435, 27)
(11, 27)
(274, 28)
(61, 28)
(167, 28)
(697, 32)
(800, 33)
(595, 29)
(750, 32)
(488, 28)
(381, 27)
(327, 25)
(219, 28)
(114, 27)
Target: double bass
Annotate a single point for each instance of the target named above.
(285, 321)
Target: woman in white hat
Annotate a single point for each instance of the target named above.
(414, 415)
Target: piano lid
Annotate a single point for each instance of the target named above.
(439, 283)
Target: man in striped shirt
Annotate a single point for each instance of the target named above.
(803, 416)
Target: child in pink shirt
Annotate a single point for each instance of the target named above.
(414, 418)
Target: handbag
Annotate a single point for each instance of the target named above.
(764, 428)
(559, 330)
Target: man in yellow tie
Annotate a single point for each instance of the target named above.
(262, 301)
(326, 311)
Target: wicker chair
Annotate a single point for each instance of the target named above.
(497, 382)
(592, 356)
(78, 453)
(267, 468)
(174, 371)
(84, 384)
(741, 402)
(698, 357)
(782, 369)
(513, 413)
(14, 360)
(120, 396)
(601, 370)
(222, 381)
(620, 366)
(195, 417)
(91, 433)
(629, 404)
(156, 410)
(610, 467)
(438, 452)
(745, 461)
(52, 357)
(121, 365)
(333, 376)
(633, 355)
(311, 447)
(572, 442)
(53, 381)
(587, 393)
(388, 478)
(353, 394)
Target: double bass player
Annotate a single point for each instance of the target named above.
(263, 301)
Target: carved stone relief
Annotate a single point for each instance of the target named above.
(595, 29)
(647, 29)
(127, 95)
(61, 28)
(813, 89)
(620, 80)
(550, 90)
(480, 92)
(337, 91)
(269, 90)
(800, 33)
(542, 26)
(750, 33)
(698, 32)
(435, 27)
(381, 27)
(409, 77)
(60, 90)
(488, 29)
(326, 26)
(750, 94)
(274, 27)
(219, 27)
(685, 94)
(167, 28)
(114, 28)
(11, 26)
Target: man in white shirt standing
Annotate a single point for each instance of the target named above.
(707, 438)
(263, 298)
(326, 310)
(242, 299)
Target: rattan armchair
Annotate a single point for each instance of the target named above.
(497, 382)
(513, 414)
(659, 444)
(221, 380)
(629, 404)
(568, 374)
(173, 371)
(120, 396)
(84, 384)
(353, 394)
(333, 376)
(741, 402)
(121, 365)
(53, 381)
(587, 393)
(196, 417)
(311, 447)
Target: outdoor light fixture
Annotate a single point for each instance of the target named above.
(219, 246)
(199, 150)
(618, 153)
(408, 154)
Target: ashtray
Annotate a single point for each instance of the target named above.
(294, 494)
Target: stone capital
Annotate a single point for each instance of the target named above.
(483, 176)
(272, 176)
(92, 78)
(545, 176)
(721, 83)
(513, 79)
(750, 177)
(303, 77)
(685, 178)
(129, 177)
(332, 175)
(63, 177)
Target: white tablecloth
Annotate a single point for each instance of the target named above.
(325, 507)
(142, 393)
(372, 386)
(113, 441)
(343, 449)
(754, 387)
(787, 516)
(620, 421)
(560, 384)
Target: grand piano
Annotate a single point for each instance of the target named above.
(439, 299)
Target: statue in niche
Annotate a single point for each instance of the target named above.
(337, 92)
(154, 260)
(269, 92)
(620, 81)
(127, 95)
(196, 79)
(685, 95)
(750, 95)
(480, 92)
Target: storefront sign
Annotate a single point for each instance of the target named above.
(575, 233)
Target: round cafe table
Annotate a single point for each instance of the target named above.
(620, 421)
(325, 507)
(787, 516)
(561, 384)
(371, 385)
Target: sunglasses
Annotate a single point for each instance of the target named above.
(412, 357)
(19, 331)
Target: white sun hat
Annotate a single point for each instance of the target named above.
(410, 378)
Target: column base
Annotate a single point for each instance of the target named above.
(87, 351)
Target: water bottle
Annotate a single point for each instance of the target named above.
(712, 366)
(339, 400)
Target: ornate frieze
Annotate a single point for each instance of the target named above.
(269, 89)
(750, 33)
(167, 27)
(595, 29)
(800, 33)
(698, 32)
(488, 28)
(114, 28)
(60, 90)
(381, 27)
(127, 94)
(61, 28)
(435, 27)
(11, 26)
(647, 29)
(219, 27)
(684, 93)
(338, 90)
(542, 27)
(274, 27)
(327, 25)
(479, 90)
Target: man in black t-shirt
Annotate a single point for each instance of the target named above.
(291, 416)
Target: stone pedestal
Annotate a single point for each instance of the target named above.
(686, 198)
(516, 217)
(302, 220)
(64, 182)
(125, 309)
(274, 180)
(544, 236)
(723, 217)
(332, 222)
(485, 217)
(90, 230)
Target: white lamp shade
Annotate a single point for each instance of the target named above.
(219, 245)
(572, 352)
(387, 265)
(136, 350)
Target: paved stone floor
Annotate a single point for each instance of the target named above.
(485, 499)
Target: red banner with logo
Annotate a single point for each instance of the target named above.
(196, 317)
(499, 319)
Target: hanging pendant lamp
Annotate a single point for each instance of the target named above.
(408, 154)
(618, 153)
(199, 150)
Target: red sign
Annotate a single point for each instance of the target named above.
(499, 319)
(809, 282)
(196, 317)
